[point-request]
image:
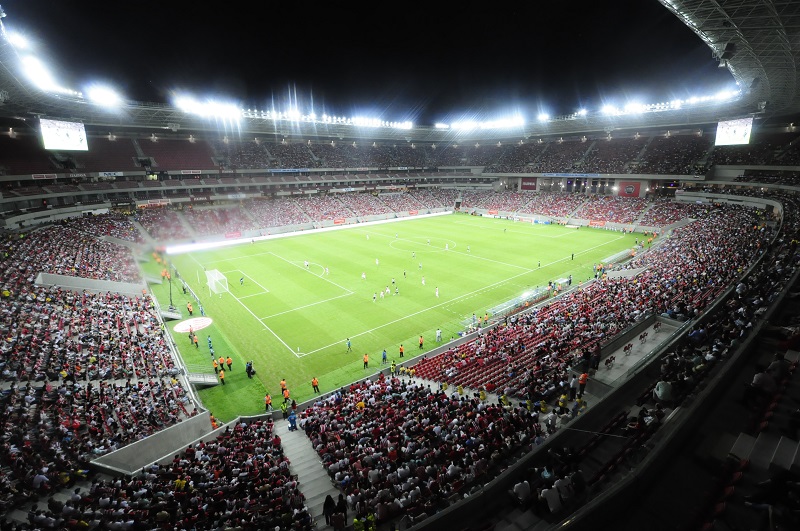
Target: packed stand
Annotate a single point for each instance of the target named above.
(364, 204)
(674, 155)
(518, 159)
(276, 212)
(162, 223)
(249, 155)
(613, 154)
(400, 448)
(219, 220)
(555, 204)
(491, 200)
(614, 209)
(328, 155)
(530, 357)
(66, 251)
(561, 156)
(786, 178)
(115, 225)
(435, 197)
(239, 480)
(291, 156)
(324, 207)
(402, 202)
(666, 211)
(450, 155)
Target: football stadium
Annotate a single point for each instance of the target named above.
(311, 322)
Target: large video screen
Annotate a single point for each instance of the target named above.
(63, 136)
(734, 132)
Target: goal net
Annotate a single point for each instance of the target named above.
(217, 282)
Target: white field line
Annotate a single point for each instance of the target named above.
(448, 302)
(251, 278)
(268, 329)
(306, 306)
(349, 292)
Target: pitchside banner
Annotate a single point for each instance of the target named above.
(629, 189)
(528, 183)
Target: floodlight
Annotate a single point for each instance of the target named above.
(543, 117)
(610, 110)
(18, 41)
(104, 96)
(634, 107)
(581, 112)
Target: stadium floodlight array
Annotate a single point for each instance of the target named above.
(217, 282)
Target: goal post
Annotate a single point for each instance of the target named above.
(217, 282)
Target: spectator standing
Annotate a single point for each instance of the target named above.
(421, 340)
(366, 360)
(582, 380)
(573, 387)
(267, 403)
(315, 384)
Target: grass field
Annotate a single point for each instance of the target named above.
(293, 320)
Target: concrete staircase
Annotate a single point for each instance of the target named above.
(314, 481)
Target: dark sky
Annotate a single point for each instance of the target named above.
(418, 61)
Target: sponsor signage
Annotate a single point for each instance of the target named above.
(339, 221)
(571, 174)
(528, 183)
(492, 212)
(197, 323)
(629, 189)
(190, 172)
(237, 234)
(413, 212)
(45, 176)
(109, 174)
(597, 223)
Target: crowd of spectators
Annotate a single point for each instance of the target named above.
(276, 212)
(162, 223)
(787, 178)
(491, 200)
(219, 220)
(614, 209)
(675, 155)
(530, 358)
(63, 250)
(83, 373)
(613, 154)
(664, 211)
(365, 204)
(555, 204)
(239, 479)
(561, 156)
(399, 447)
(111, 224)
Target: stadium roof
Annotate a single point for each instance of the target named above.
(758, 40)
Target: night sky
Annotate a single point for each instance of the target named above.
(418, 61)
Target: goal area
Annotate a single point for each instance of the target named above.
(217, 282)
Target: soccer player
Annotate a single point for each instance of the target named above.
(387, 290)
(374, 297)
(241, 281)
(397, 290)
(327, 272)
(363, 275)
(404, 274)
(468, 249)
(437, 292)
(306, 262)
(383, 294)
(438, 335)
(377, 262)
(383, 357)
(447, 247)
(423, 280)
(349, 345)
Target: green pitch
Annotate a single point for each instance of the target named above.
(293, 320)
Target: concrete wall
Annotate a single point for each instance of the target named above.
(88, 284)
